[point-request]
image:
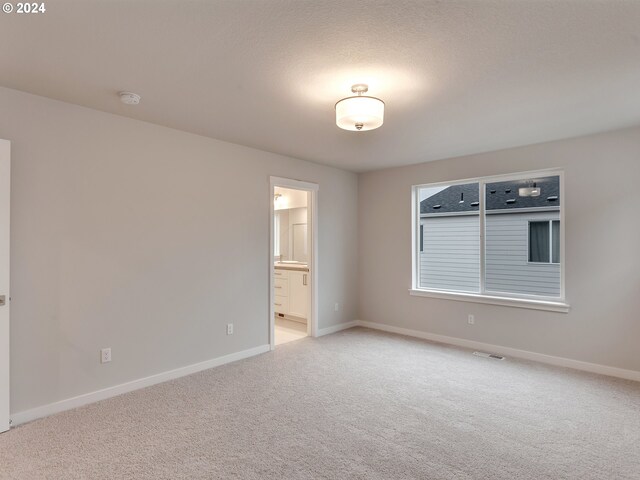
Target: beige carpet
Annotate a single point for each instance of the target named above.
(358, 404)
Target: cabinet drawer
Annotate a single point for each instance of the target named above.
(281, 286)
(280, 273)
(281, 304)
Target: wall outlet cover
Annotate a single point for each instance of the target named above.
(105, 355)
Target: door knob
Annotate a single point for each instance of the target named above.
(3, 300)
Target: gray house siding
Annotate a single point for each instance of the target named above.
(450, 259)
(451, 254)
(507, 256)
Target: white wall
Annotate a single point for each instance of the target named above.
(122, 237)
(602, 254)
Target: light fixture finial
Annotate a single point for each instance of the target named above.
(360, 88)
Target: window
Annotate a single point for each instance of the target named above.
(494, 237)
(450, 237)
(544, 241)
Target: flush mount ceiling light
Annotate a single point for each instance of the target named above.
(129, 98)
(533, 191)
(360, 112)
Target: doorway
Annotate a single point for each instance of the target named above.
(5, 197)
(293, 260)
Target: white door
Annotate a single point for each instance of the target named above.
(5, 178)
(299, 294)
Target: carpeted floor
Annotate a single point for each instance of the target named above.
(358, 404)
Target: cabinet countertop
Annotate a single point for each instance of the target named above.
(298, 268)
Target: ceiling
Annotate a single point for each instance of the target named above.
(457, 77)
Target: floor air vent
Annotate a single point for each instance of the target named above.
(488, 355)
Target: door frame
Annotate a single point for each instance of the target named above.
(5, 237)
(312, 206)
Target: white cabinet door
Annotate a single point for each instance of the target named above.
(299, 294)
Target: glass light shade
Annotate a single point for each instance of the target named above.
(361, 111)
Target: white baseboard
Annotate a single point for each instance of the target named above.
(80, 400)
(508, 351)
(337, 328)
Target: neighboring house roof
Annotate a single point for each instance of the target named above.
(500, 196)
(456, 198)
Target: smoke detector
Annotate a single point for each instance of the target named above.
(129, 98)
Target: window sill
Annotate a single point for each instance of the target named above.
(547, 305)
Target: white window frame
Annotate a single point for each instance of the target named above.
(537, 302)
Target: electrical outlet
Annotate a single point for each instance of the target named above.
(472, 320)
(229, 328)
(105, 355)
(337, 306)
